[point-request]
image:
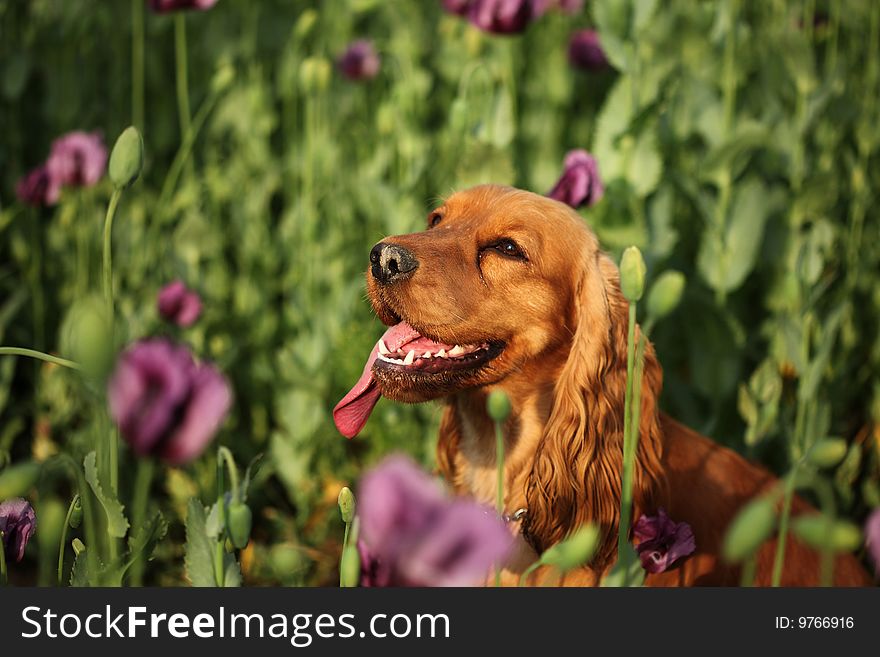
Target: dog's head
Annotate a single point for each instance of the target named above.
(500, 284)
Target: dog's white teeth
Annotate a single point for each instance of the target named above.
(383, 350)
(401, 353)
(427, 354)
(441, 353)
(410, 357)
(456, 351)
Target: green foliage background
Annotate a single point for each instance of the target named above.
(737, 141)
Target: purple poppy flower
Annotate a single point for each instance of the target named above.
(36, 187)
(580, 183)
(178, 304)
(78, 159)
(17, 523)
(503, 16)
(360, 61)
(662, 541)
(872, 538)
(165, 404)
(413, 535)
(166, 6)
(585, 51)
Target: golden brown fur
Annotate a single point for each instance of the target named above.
(562, 320)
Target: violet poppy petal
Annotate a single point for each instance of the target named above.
(18, 522)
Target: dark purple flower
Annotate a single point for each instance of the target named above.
(585, 51)
(872, 538)
(35, 188)
(166, 404)
(662, 541)
(503, 16)
(178, 304)
(412, 534)
(360, 61)
(17, 524)
(78, 159)
(165, 6)
(580, 183)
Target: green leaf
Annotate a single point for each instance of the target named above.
(727, 257)
(232, 572)
(749, 529)
(199, 559)
(79, 574)
(117, 524)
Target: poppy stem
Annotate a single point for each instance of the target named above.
(499, 495)
(137, 64)
(107, 272)
(33, 353)
(628, 451)
(219, 575)
(180, 56)
(64, 537)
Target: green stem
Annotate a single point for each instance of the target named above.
(143, 481)
(344, 549)
(528, 571)
(63, 541)
(226, 455)
(180, 56)
(219, 575)
(626, 484)
(32, 353)
(107, 273)
(499, 494)
(137, 64)
(785, 516)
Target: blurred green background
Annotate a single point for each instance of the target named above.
(737, 142)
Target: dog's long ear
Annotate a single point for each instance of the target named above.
(576, 476)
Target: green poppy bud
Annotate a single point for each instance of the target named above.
(574, 551)
(76, 513)
(828, 452)
(17, 480)
(350, 569)
(751, 527)
(126, 158)
(238, 524)
(665, 294)
(498, 405)
(87, 336)
(78, 546)
(632, 274)
(346, 504)
(314, 74)
(820, 531)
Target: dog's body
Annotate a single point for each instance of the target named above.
(510, 290)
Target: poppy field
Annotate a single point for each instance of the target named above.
(190, 189)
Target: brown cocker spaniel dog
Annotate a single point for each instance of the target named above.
(507, 289)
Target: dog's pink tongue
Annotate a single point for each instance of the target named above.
(353, 410)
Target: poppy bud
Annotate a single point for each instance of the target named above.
(498, 405)
(87, 336)
(127, 158)
(820, 531)
(828, 452)
(632, 274)
(78, 546)
(314, 74)
(751, 527)
(16, 480)
(574, 551)
(665, 294)
(76, 513)
(346, 504)
(238, 524)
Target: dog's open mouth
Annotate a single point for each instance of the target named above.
(403, 352)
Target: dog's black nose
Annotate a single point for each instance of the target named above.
(391, 262)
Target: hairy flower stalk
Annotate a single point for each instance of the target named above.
(347, 507)
(632, 283)
(73, 519)
(498, 406)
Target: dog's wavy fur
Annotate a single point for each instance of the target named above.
(565, 436)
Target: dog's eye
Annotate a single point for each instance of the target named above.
(508, 248)
(434, 219)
